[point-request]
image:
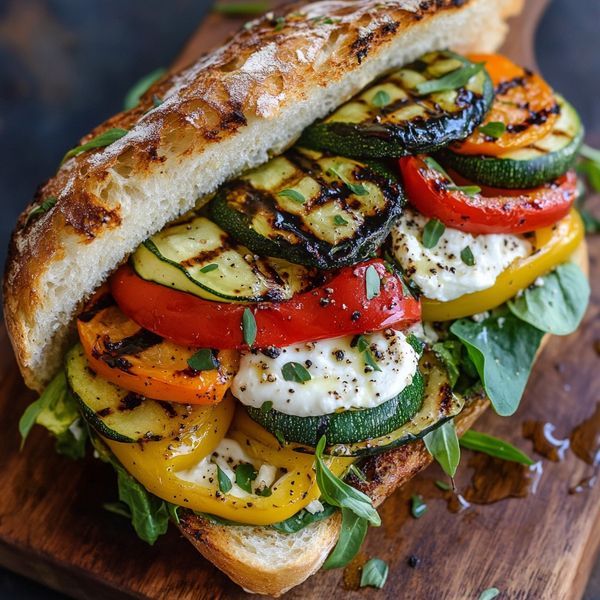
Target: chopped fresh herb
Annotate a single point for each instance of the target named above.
(303, 518)
(442, 485)
(279, 23)
(489, 594)
(417, 506)
(374, 573)
(106, 138)
(451, 81)
(241, 9)
(372, 282)
(132, 99)
(442, 444)
(352, 535)
(245, 474)
(293, 195)
(264, 492)
(117, 508)
(494, 129)
(293, 371)
(339, 220)
(432, 233)
(279, 437)
(354, 470)
(249, 327)
(466, 255)
(266, 407)
(173, 511)
(363, 346)
(209, 268)
(203, 360)
(44, 207)
(469, 190)
(225, 484)
(435, 165)
(381, 99)
(358, 189)
(487, 444)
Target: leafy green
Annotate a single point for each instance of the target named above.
(466, 255)
(245, 474)
(590, 222)
(449, 352)
(481, 442)
(489, 594)
(225, 484)
(435, 165)
(417, 507)
(117, 508)
(293, 195)
(209, 268)
(557, 305)
(372, 282)
(432, 233)
(442, 444)
(374, 573)
(442, 485)
(363, 346)
(493, 129)
(203, 360)
(132, 99)
(451, 81)
(338, 493)
(100, 141)
(502, 348)
(294, 371)
(249, 327)
(469, 190)
(241, 9)
(381, 99)
(358, 189)
(42, 208)
(302, 519)
(352, 536)
(354, 470)
(72, 442)
(339, 220)
(266, 406)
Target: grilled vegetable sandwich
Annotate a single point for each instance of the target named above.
(293, 274)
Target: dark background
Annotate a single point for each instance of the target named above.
(65, 65)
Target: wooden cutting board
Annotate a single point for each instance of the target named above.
(53, 529)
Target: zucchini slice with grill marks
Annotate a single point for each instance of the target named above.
(346, 426)
(392, 119)
(439, 405)
(310, 209)
(126, 417)
(528, 167)
(198, 257)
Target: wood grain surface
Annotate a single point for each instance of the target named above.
(53, 529)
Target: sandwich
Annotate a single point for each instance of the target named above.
(294, 273)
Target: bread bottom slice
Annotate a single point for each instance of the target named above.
(264, 561)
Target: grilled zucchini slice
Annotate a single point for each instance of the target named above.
(528, 167)
(126, 417)
(392, 119)
(310, 209)
(198, 257)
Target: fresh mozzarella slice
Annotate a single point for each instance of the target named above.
(440, 272)
(340, 378)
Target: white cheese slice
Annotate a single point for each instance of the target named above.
(440, 272)
(340, 377)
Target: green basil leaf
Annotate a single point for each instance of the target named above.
(442, 485)
(105, 138)
(417, 507)
(557, 305)
(338, 493)
(241, 9)
(302, 519)
(249, 327)
(449, 352)
(502, 348)
(362, 344)
(132, 99)
(173, 511)
(494, 129)
(590, 153)
(352, 536)
(466, 255)
(358, 189)
(339, 220)
(435, 165)
(245, 474)
(374, 573)
(225, 484)
(118, 508)
(72, 442)
(294, 371)
(489, 594)
(381, 99)
(266, 407)
(372, 282)
(590, 222)
(44, 207)
(209, 268)
(469, 190)
(451, 81)
(354, 470)
(442, 444)
(487, 444)
(293, 195)
(432, 233)
(203, 360)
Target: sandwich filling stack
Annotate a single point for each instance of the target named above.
(290, 275)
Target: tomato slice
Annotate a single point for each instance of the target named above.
(142, 362)
(493, 210)
(524, 102)
(339, 307)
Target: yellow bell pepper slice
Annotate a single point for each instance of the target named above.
(163, 470)
(552, 245)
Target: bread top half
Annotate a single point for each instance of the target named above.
(226, 113)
